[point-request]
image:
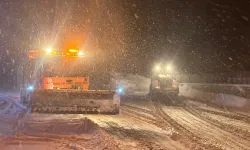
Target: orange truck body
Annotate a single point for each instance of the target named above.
(65, 83)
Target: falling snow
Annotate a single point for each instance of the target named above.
(244, 17)
(197, 36)
(136, 16)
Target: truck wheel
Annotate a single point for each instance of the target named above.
(116, 111)
(25, 100)
(152, 96)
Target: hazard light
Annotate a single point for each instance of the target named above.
(32, 54)
(73, 50)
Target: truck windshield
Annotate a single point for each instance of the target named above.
(65, 67)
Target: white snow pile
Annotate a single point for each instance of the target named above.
(59, 126)
(82, 134)
(186, 90)
(11, 112)
(10, 105)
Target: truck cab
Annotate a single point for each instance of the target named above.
(164, 84)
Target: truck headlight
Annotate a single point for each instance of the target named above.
(169, 68)
(120, 90)
(30, 88)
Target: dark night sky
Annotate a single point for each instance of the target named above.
(195, 35)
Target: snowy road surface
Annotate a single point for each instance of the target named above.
(142, 124)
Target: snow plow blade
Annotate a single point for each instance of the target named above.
(74, 101)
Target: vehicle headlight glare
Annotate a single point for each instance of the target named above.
(30, 88)
(157, 68)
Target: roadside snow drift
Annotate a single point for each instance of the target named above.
(56, 133)
(220, 99)
(57, 126)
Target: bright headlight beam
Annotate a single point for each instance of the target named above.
(30, 88)
(169, 68)
(48, 50)
(120, 91)
(157, 68)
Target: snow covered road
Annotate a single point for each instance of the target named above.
(142, 124)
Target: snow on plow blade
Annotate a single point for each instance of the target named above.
(75, 101)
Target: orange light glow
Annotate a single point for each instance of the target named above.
(80, 53)
(73, 50)
(48, 50)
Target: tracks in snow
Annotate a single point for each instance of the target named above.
(197, 128)
(161, 126)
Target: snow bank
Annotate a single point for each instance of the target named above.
(59, 127)
(220, 99)
(60, 134)
(10, 104)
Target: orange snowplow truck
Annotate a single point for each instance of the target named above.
(67, 82)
